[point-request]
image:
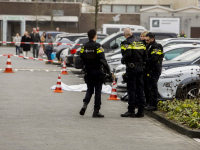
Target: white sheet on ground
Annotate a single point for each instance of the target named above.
(81, 87)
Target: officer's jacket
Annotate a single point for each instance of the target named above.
(133, 51)
(154, 55)
(182, 35)
(93, 58)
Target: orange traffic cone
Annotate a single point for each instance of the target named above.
(64, 70)
(113, 95)
(8, 66)
(58, 86)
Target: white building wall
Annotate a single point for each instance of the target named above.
(187, 20)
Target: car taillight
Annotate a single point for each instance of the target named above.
(73, 51)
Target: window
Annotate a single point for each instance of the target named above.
(106, 8)
(117, 40)
(173, 43)
(130, 9)
(137, 8)
(119, 9)
(110, 31)
(173, 53)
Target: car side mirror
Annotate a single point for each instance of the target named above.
(115, 46)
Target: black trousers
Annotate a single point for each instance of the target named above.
(153, 87)
(91, 87)
(135, 86)
(146, 87)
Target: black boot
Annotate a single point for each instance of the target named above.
(83, 109)
(97, 114)
(128, 114)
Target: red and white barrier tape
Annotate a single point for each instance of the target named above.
(32, 58)
(3, 42)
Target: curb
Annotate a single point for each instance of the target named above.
(193, 133)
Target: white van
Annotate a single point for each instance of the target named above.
(113, 28)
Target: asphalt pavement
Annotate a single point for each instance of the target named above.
(33, 117)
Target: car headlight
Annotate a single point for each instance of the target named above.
(168, 84)
(171, 75)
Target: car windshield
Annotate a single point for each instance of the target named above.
(108, 38)
(188, 56)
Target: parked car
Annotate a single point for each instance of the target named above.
(177, 82)
(170, 52)
(176, 41)
(76, 58)
(189, 58)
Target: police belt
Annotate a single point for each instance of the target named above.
(132, 65)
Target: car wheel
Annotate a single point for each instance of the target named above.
(190, 92)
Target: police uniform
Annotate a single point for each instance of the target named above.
(93, 58)
(133, 52)
(182, 35)
(154, 67)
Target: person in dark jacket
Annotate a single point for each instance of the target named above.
(93, 58)
(154, 67)
(36, 39)
(133, 55)
(25, 47)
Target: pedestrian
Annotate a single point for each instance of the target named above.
(43, 39)
(36, 39)
(38, 29)
(133, 55)
(93, 58)
(17, 39)
(182, 34)
(25, 47)
(49, 47)
(154, 67)
(57, 29)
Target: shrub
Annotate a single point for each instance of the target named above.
(186, 112)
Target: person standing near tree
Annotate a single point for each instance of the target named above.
(17, 39)
(36, 39)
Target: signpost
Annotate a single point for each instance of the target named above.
(165, 24)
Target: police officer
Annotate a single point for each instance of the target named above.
(133, 55)
(182, 34)
(154, 67)
(93, 58)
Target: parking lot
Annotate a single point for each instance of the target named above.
(34, 117)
